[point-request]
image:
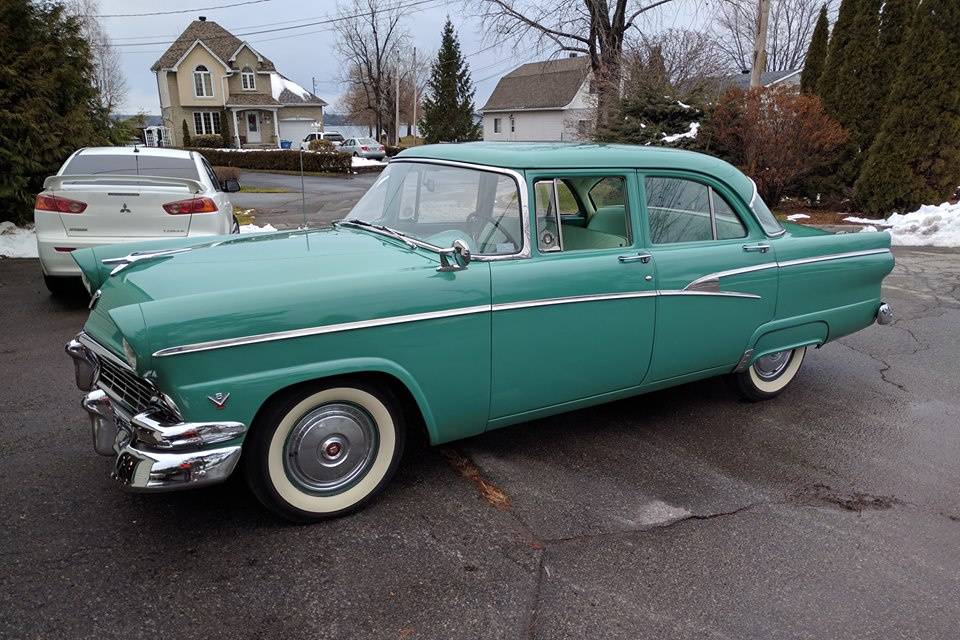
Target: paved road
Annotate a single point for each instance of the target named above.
(326, 198)
(832, 512)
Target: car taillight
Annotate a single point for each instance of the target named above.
(193, 205)
(58, 204)
(363, 148)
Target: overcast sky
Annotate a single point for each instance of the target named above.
(300, 53)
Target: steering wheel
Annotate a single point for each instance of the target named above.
(473, 220)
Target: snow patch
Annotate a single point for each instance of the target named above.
(279, 82)
(17, 242)
(253, 228)
(690, 133)
(930, 225)
(797, 216)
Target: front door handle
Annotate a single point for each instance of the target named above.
(640, 257)
(760, 247)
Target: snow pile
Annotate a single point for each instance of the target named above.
(367, 162)
(690, 133)
(17, 242)
(930, 225)
(279, 82)
(793, 217)
(252, 228)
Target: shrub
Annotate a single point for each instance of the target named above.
(279, 160)
(186, 135)
(208, 141)
(392, 150)
(321, 145)
(776, 136)
(227, 173)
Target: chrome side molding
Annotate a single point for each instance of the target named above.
(141, 256)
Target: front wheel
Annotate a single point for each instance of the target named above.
(769, 374)
(324, 451)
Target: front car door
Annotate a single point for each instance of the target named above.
(575, 320)
(716, 273)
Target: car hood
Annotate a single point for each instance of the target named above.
(249, 284)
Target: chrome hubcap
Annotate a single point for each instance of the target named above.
(330, 448)
(770, 366)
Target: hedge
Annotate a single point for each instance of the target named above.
(279, 160)
(207, 140)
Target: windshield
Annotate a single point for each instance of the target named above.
(335, 137)
(438, 204)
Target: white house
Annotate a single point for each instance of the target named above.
(541, 101)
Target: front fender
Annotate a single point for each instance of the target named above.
(250, 391)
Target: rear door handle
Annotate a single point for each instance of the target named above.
(760, 247)
(640, 257)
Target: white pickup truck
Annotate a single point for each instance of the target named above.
(110, 195)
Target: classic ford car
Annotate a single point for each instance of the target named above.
(472, 287)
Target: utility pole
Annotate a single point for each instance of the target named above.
(314, 78)
(414, 124)
(396, 113)
(760, 44)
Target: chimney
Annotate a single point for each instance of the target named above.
(202, 18)
(572, 54)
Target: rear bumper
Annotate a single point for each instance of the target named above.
(56, 262)
(153, 451)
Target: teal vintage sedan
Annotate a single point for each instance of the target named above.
(474, 286)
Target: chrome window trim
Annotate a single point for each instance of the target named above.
(521, 183)
(832, 256)
(753, 198)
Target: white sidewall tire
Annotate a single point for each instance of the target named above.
(777, 384)
(379, 468)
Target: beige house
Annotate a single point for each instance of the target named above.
(217, 83)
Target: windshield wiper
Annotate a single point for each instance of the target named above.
(393, 233)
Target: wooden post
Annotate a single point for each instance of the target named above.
(760, 45)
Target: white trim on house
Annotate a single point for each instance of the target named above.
(176, 65)
(252, 50)
(206, 81)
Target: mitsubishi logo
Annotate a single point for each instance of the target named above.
(124, 208)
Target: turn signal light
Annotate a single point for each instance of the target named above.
(58, 204)
(193, 205)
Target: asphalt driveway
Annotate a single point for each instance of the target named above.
(830, 512)
(324, 199)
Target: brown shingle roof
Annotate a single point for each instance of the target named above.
(223, 44)
(540, 85)
(254, 99)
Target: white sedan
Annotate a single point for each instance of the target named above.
(109, 195)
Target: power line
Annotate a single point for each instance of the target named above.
(167, 13)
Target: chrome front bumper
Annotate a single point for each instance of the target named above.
(154, 451)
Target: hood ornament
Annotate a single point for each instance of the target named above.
(141, 256)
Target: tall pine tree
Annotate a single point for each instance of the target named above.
(48, 106)
(448, 106)
(816, 54)
(916, 156)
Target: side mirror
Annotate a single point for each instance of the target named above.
(460, 253)
(231, 185)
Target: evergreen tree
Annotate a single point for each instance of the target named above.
(894, 27)
(48, 106)
(448, 106)
(648, 117)
(849, 86)
(816, 54)
(916, 156)
(187, 142)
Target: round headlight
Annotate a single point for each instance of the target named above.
(130, 354)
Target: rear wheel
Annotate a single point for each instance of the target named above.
(61, 287)
(324, 451)
(769, 374)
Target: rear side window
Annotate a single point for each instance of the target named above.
(131, 164)
(336, 137)
(687, 211)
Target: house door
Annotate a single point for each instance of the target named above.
(253, 127)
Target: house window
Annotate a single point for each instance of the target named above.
(202, 82)
(206, 122)
(247, 78)
(496, 125)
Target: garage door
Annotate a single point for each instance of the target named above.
(296, 130)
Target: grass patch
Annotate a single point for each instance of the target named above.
(251, 189)
(243, 216)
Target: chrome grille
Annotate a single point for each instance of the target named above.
(125, 386)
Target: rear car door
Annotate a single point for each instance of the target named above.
(575, 320)
(716, 273)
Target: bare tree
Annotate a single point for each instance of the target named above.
(683, 62)
(108, 78)
(790, 26)
(597, 28)
(370, 39)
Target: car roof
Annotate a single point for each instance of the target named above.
(139, 150)
(574, 155)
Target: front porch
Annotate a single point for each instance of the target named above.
(254, 127)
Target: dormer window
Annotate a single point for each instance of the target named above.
(248, 79)
(202, 82)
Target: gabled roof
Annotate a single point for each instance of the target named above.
(551, 84)
(767, 78)
(218, 40)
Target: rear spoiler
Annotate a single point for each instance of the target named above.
(58, 182)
